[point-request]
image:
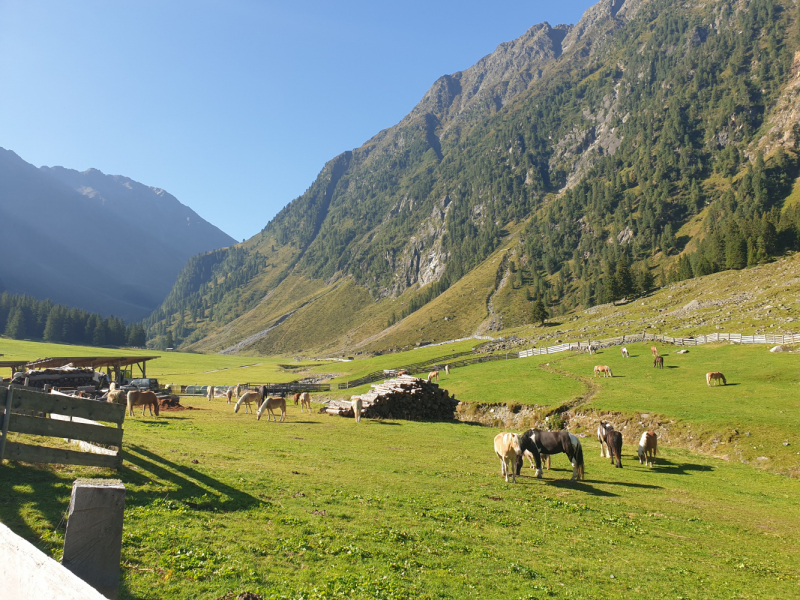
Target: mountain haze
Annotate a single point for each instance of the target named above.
(651, 140)
(103, 243)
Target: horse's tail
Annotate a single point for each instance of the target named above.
(579, 460)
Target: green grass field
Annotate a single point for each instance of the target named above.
(320, 507)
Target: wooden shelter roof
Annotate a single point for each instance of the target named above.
(86, 361)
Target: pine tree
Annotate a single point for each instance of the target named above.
(539, 314)
(624, 279)
(15, 327)
(54, 327)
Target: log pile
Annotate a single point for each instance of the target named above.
(66, 377)
(405, 397)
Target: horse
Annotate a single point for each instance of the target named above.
(658, 361)
(625, 352)
(116, 396)
(614, 443)
(654, 351)
(147, 399)
(507, 448)
(229, 395)
(604, 369)
(541, 443)
(447, 369)
(357, 407)
(237, 391)
(269, 405)
(602, 431)
(210, 393)
(297, 397)
(433, 375)
(648, 447)
(715, 375)
(402, 372)
(247, 398)
(592, 349)
(305, 401)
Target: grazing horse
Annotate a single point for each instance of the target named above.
(211, 391)
(229, 395)
(507, 448)
(715, 375)
(357, 408)
(433, 375)
(269, 405)
(541, 443)
(402, 372)
(147, 399)
(604, 369)
(297, 398)
(648, 447)
(602, 432)
(625, 352)
(447, 369)
(305, 401)
(614, 443)
(654, 351)
(247, 399)
(658, 361)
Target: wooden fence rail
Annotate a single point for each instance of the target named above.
(21, 407)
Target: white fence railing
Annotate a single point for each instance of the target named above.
(736, 338)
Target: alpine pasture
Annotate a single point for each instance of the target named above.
(323, 507)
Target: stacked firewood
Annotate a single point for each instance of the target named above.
(67, 377)
(405, 397)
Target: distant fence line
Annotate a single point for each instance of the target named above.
(736, 338)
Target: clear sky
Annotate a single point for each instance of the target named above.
(233, 106)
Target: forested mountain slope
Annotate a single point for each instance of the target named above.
(653, 141)
(101, 243)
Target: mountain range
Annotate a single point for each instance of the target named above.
(651, 142)
(104, 243)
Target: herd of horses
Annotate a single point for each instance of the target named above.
(538, 445)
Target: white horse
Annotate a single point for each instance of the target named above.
(305, 401)
(507, 448)
(247, 398)
(625, 352)
(357, 407)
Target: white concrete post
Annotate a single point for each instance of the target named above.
(93, 540)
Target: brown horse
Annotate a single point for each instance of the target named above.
(269, 405)
(402, 372)
(654, 351)
(297, 398)
(648, 447)
(433, 375)
(604, 369)
(715, 375)
(146, 399)
(658, 361)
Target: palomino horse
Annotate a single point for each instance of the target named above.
(602, 431)
(654, 351)
(247, 399)
(229, 395)
(305, 401)
(715, 375)
(402, 372)
(357, 408)
(658, 361)
(269, 405)
(625, 352)
(604, 369)
(648, 447)
(433, 375)
(211, 391)
(146, 399)
(614, 443)
(507, 448)
(447, 369)
(541, 443)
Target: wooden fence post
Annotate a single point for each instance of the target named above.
(6, 419)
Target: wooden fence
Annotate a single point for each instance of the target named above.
(735, 338)
(22, 407)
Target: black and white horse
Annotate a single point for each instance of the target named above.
(552, 442)
(602, 431)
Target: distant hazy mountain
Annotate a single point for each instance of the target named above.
(103, 243)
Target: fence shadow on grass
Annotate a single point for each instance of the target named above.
(190, 483)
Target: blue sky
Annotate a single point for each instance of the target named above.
(233, 106)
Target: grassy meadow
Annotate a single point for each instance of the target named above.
(321, 507)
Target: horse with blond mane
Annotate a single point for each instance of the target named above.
(433, 375)
(605, 370)
(715, 376)
(507, 448)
